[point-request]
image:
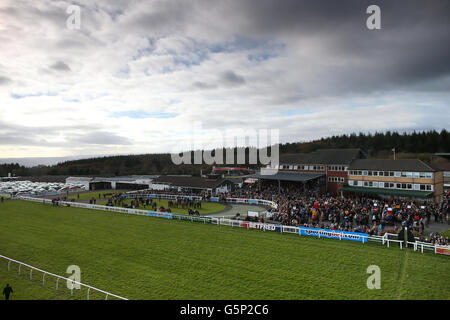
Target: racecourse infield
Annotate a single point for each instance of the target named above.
(141, 257)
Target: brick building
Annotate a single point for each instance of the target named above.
(333, 163)
(406, 178)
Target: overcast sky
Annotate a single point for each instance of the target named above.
(138, 75)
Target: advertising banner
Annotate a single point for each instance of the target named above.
(261, 226)
(332, 234)
(443, 250)
(214, 199)
(159, 214)
(253, 201)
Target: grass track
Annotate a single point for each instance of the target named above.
(207, 207)
(151, 258)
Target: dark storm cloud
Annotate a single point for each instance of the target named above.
(4, 80)
(60, 66)
(413, 44)
(231, 78)
(203, 85)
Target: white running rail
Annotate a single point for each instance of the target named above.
(44, 273)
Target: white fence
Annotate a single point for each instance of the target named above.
(73, 282)
(135, 194)
(384, 240)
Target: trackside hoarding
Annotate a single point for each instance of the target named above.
(261, 226)
(332, 234)
(160, 214)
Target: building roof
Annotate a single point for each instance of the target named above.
(80, 178)
(190, 182)
(444, 166)
(392, 192)
(288, 176)
(323, 157)
(125, 178)
(391, 165)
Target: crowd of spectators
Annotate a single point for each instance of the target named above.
(297, 207)
(300, 206)
(436, 238)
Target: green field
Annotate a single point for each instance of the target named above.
(151, 258)
(207, 207)
(93, 194)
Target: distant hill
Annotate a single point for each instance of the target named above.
(379, 145)
(45, 161)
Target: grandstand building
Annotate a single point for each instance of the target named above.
(193, 184)
(445, 167)
(333, 163)
(407, 179)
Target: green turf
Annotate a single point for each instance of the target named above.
(93, 194)
(153, 258)
(207, 207)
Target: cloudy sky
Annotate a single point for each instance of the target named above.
(140, 76)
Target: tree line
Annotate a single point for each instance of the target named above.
(372, 144)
